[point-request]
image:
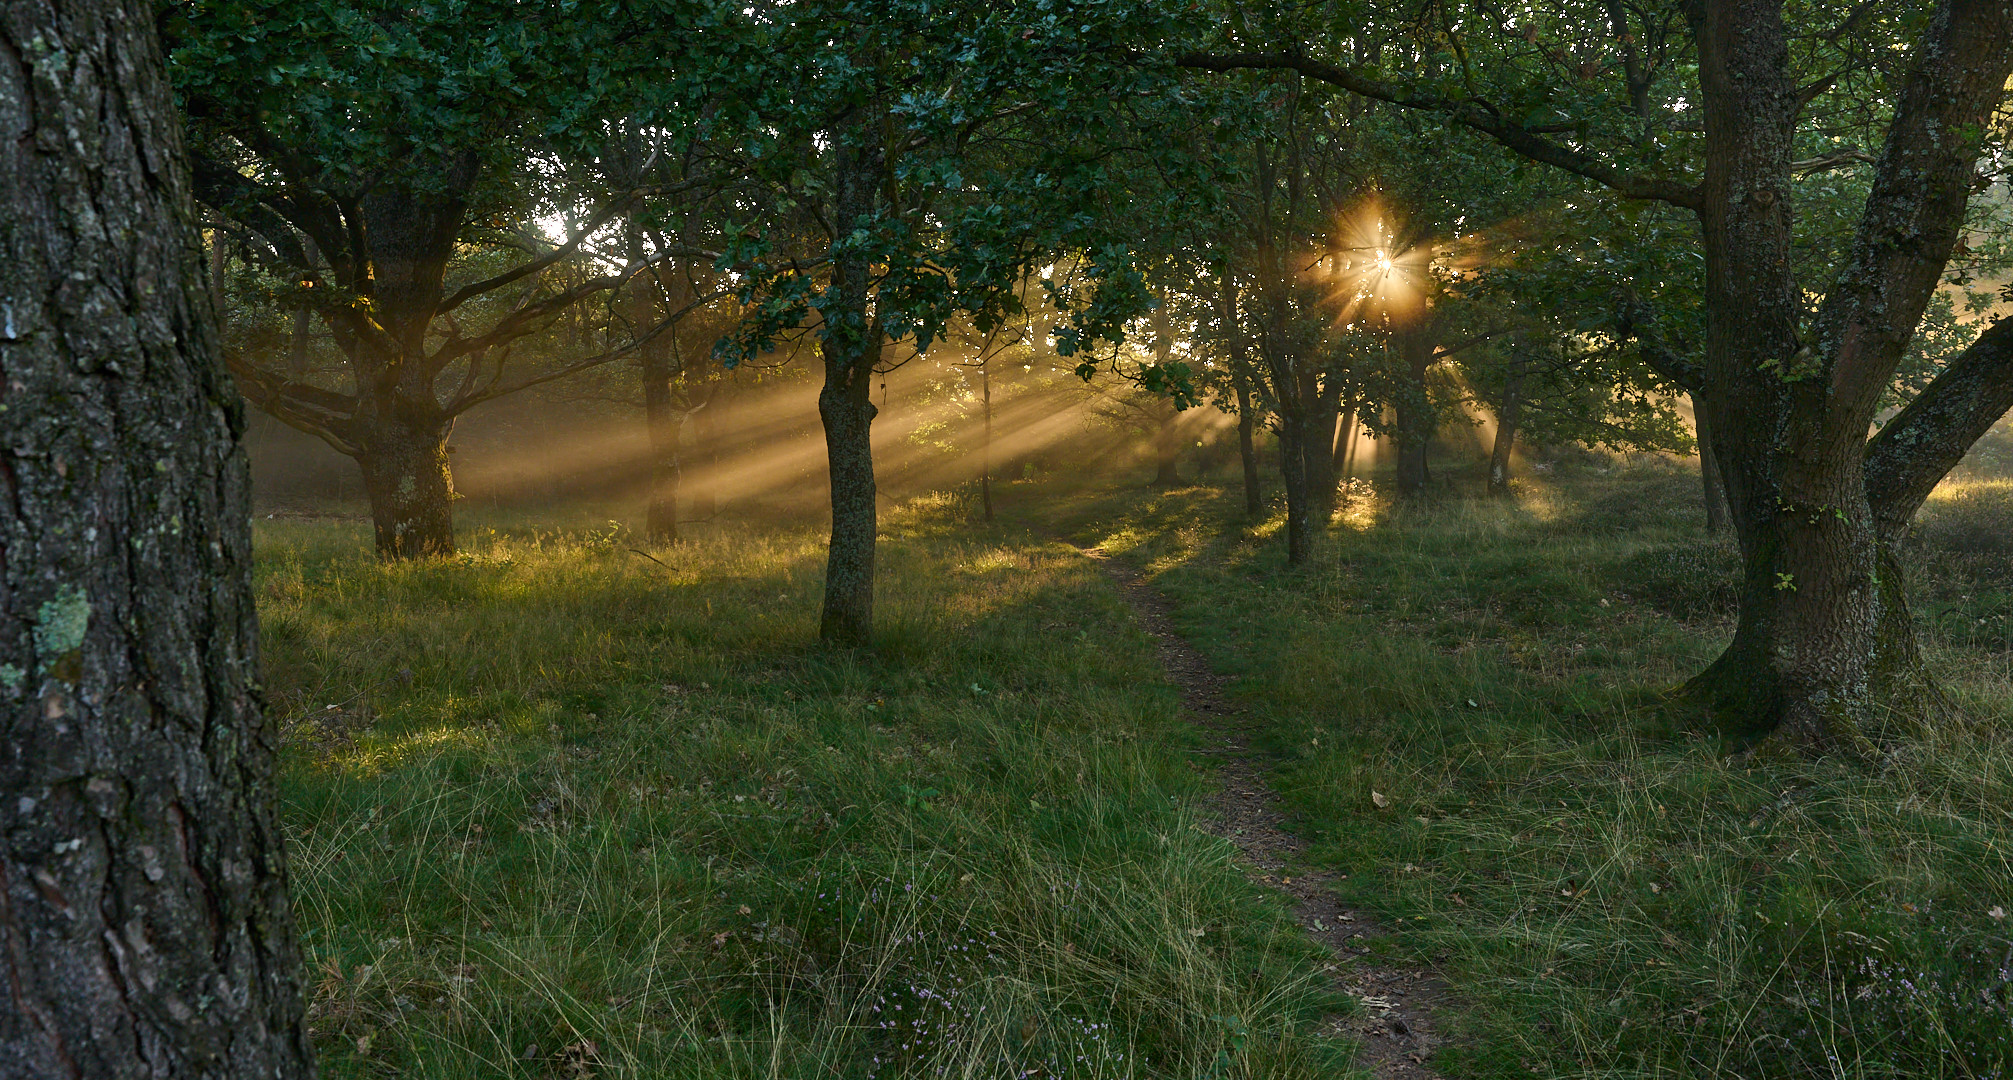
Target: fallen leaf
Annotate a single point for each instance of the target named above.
(578, 1060)
(1378, 798)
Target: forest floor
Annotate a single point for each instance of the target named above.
(1462, 704)
(560, 810)
(1399, 1003)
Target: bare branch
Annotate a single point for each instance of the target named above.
(461, 405)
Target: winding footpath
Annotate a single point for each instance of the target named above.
(1396, 1024)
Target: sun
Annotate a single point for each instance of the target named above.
(1374, 279)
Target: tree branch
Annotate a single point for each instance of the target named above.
(1922, 443)
(1473, 113)
(1635, 321)
(322, 413)
(463, 404)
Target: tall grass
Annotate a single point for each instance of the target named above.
(1614, 895)
(558, 809)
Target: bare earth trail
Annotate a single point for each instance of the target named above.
(1397, 1026)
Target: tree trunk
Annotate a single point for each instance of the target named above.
(144, 924)
(1167, 438)
(1506, 431)
(1240, 378)
(1809, 609)
(851, 347)
(1247, 450)
(658, 365)
(406, 477)
(1414, 406)
(1708, 471)
(1319, 445)
(846, 406)
(702, 476)
(986, 450)
(1299, 500)
(299, 341)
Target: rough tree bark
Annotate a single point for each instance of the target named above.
(402, 451)
(851, 347)
(1708, 472)
(144, 926)
(1822, 610)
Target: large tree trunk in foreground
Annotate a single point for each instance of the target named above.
(1414, 407)
(406, 476)
(144, 926)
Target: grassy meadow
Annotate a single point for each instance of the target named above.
(558, 809)
(1615, 895)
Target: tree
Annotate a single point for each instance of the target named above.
(917, 163)
(143, 902)
(1825, 653)
(380, 166)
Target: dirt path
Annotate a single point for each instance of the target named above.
(1397, 1026)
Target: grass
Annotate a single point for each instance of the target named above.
(560, 810)
(1613, 895)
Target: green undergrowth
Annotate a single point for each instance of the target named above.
(1462, 698)
(559, 809)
